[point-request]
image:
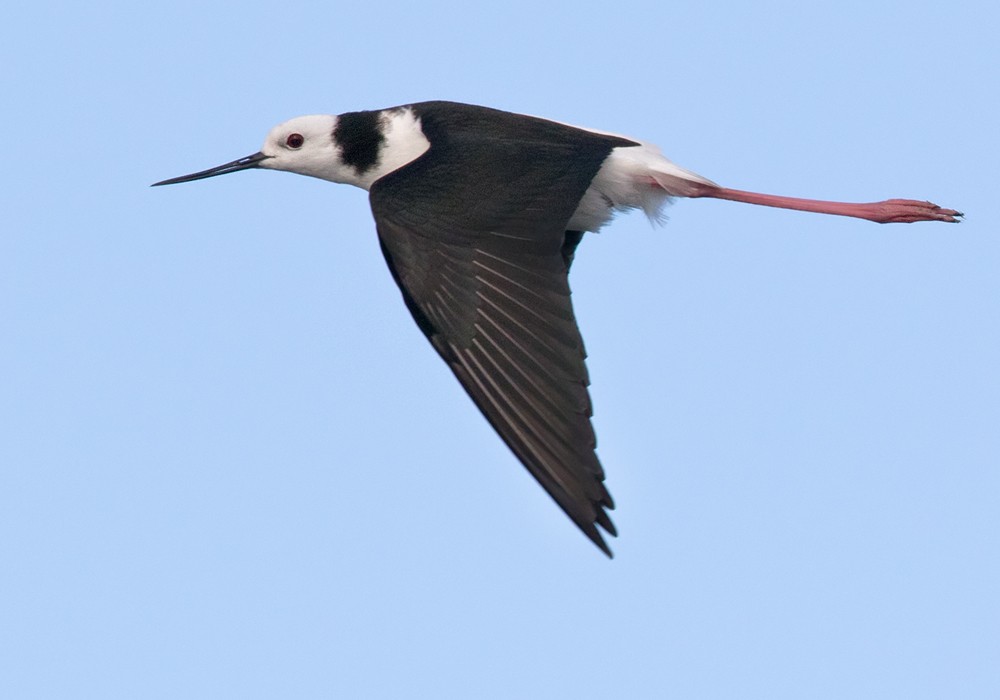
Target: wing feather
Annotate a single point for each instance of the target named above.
(474, 235)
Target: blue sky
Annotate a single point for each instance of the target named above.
(231, 466)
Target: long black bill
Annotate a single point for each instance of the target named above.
(241, 164)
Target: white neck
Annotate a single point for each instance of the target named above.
(404, 142)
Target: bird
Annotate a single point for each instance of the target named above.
(479, 213)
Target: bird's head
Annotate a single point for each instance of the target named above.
(303, 145)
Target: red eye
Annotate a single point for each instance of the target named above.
(295, 140)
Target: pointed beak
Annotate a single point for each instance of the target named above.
(241, 164)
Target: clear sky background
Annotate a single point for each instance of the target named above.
(232, 467)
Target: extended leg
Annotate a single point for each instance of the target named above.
(891, 211)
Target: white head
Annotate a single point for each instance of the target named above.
(371, 143)
(305, 145)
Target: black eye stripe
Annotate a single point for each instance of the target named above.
(295, 140)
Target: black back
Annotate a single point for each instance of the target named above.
(474, 232)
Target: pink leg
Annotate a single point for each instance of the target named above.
(900, 211)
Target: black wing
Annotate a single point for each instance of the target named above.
(474, 232)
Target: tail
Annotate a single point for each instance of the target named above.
(677, 181)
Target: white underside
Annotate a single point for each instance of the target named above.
(633, 177)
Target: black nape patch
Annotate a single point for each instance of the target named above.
(359, 135)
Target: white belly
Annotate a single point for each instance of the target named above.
(633, 177)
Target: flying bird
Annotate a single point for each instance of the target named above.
(479, 213)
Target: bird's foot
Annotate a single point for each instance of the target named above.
(908, 211)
